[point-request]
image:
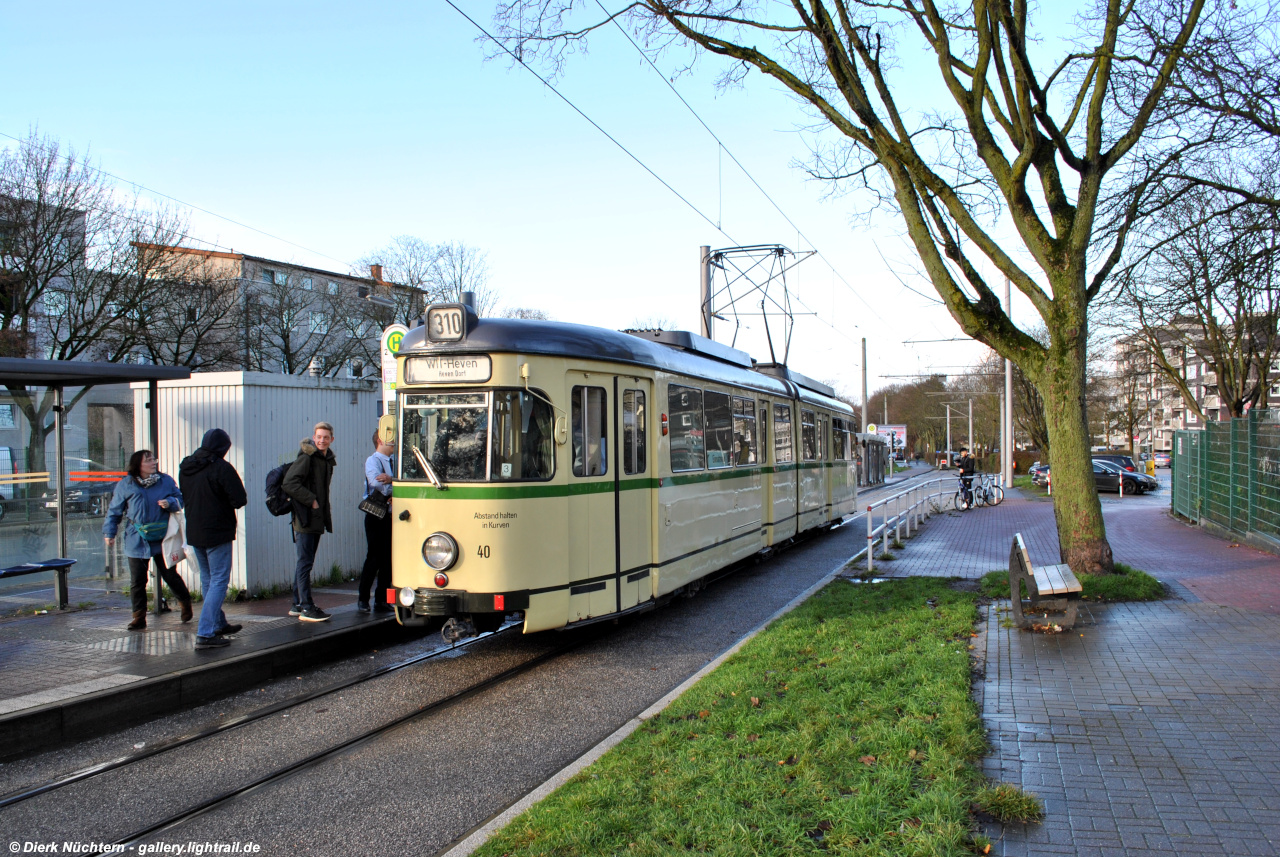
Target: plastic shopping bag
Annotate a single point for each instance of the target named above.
(174, 545)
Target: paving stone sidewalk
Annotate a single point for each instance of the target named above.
(1150, 728)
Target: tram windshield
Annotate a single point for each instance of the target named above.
(498, 436)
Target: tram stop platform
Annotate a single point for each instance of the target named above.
(68, 675)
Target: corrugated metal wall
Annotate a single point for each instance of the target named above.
(267, 416)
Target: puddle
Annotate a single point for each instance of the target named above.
(864, 580)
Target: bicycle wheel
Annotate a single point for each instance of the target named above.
(980, 496)
(997, 495)
(959, 502)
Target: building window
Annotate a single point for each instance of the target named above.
(333, 287)
(319, 324)
(56, 303)
(306, 284)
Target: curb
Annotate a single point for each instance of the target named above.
(90, 715)
(481, 834)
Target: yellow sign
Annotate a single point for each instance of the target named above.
(393, 341)
(871, 428)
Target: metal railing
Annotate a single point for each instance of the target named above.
(910, 508)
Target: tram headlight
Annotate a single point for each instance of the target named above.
(406, 596)
(440, 551)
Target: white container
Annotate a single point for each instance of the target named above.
(267, 415)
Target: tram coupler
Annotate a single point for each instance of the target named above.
(456, 629)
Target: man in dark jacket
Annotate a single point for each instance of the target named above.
(307, 484)
(215, 492)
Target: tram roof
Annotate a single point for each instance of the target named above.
(562, 339)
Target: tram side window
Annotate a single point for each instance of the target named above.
(719, 426)
(523, 442)
(838, 439)
(633, 423)
(685, 407)
(824, 426)
(781, 433)
(808, 435)
(590, 426)
(744, 431)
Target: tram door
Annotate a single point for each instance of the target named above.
(634, 475)
(592, 558)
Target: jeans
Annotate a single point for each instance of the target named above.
(377, 562)
(215, 574)
(138, 582)
(306, 544)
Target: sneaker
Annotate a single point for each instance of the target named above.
(295, 610)
(314, 614)
(211, 642)
(362, 606)
(231, 628)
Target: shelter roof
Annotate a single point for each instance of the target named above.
(77, 373)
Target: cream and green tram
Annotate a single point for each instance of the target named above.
(569, 473)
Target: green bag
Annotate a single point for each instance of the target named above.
(153, 532)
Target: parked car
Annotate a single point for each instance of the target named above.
(1122, 460)
(90, 485)
(1039, 473)
(1164, 459)
(1108, 475)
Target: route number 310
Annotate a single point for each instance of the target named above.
(444, 324)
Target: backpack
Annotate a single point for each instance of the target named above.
(278, 502)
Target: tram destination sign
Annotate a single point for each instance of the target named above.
(448, 369)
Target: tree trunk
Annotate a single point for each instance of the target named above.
(1082, 535)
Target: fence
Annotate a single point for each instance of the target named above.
(1228, 475)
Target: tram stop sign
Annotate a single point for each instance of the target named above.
(392, 336)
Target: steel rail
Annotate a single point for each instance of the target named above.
(100, 768)
(285, 772)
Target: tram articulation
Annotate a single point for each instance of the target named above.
(572, 473)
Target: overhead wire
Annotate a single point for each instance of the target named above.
(739, 163)
(593, 123)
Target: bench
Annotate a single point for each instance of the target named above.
(1050, 587)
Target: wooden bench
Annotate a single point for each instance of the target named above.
(1050, 587)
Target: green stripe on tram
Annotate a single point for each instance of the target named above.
(526, 491)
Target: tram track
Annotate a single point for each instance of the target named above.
(300, 766)
(96, 770)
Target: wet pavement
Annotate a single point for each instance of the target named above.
(1149, 728)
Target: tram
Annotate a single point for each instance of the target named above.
(570, 474)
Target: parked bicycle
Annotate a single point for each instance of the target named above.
(988, 492)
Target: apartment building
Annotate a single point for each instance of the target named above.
(1163, 407)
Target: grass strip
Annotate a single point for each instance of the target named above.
(1127, 584)
(847, 726)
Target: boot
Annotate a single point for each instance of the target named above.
(139, 622)
(186, 610)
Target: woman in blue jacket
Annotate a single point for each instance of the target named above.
(144, 499)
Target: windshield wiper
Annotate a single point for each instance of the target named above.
(426, 465)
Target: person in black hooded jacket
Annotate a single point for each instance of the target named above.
(215, 491)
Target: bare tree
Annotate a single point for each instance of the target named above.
(69, 267)
(1023, 141)
(524, 312)
(194, 315)
(295, 330)
(407, 262)
(1207, 285)
(460, 268)
(437, 273)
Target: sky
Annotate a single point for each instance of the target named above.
(314, 133)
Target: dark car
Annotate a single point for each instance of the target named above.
(1107, 477)
(90, 485)
(1039, 473)
(1122, 460)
